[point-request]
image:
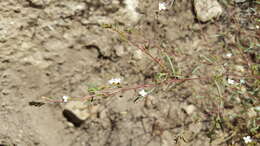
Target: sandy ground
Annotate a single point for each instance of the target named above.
(52, 48)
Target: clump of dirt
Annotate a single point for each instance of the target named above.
(53, 48)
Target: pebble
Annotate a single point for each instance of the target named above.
(77, 112)
(207, 9)
(189, 109)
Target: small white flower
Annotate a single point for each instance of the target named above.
(65, 98)
(162, 6)
(143, 93)
(257, 108)
(247, 139)
(229, 55)
(242, 81)
(115, 81)
(232, 82)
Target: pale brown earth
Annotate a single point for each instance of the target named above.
(58, 47)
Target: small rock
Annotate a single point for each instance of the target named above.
(128, 15)
(77, 112)
(189, 109)
(207, 9)
(5, 92)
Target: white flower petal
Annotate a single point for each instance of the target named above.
(247, 139)
(143, 93)
(65, 98)
(228, 55)
(162, 6)
(115, 81)
(232, 82)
